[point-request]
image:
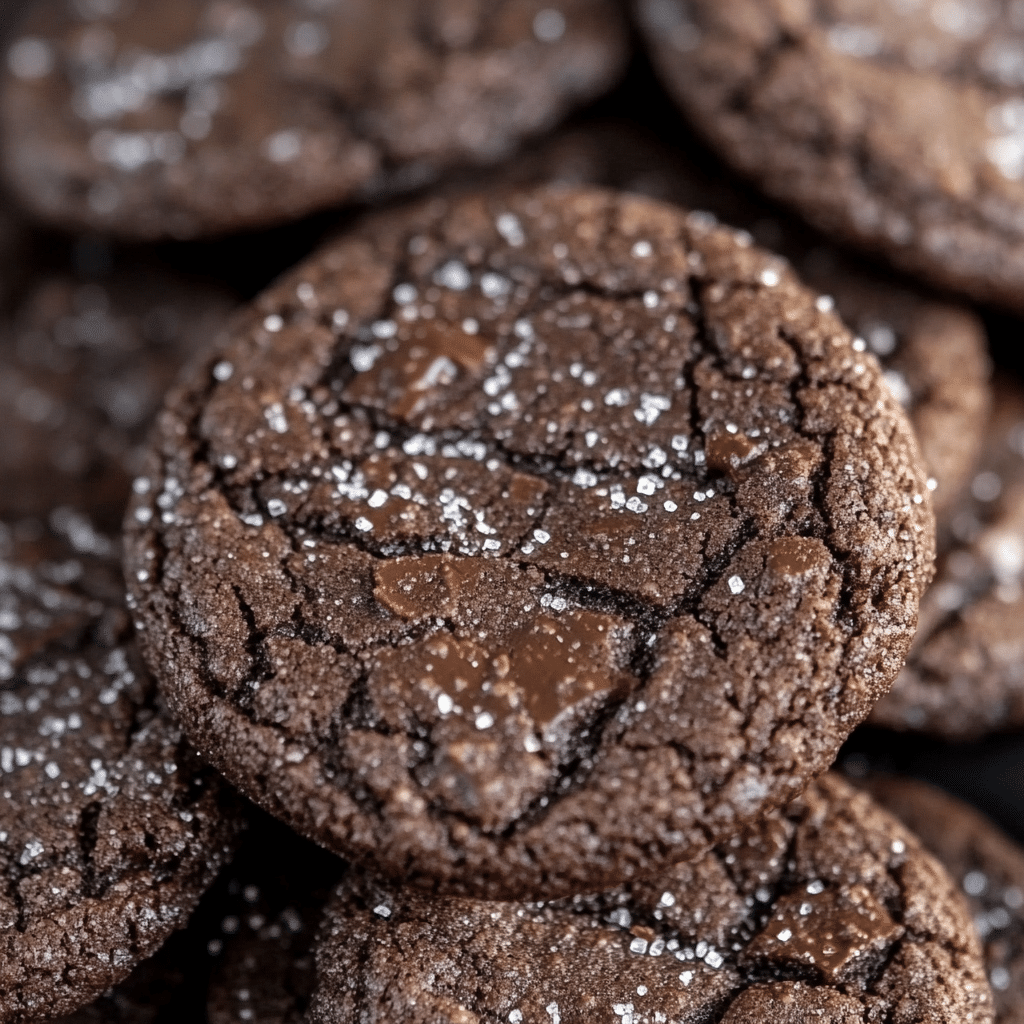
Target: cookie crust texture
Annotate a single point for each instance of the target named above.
(988, 867)
(482, 548)
(190, 119)
(828, 910)
(899, 130)
(112, 828)
(964, 676)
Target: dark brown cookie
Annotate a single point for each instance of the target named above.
(934, 353)
(525, 542)
(989, 869)
(965, 673)
(148, 995)
(195, 117)
(828, 910)
(84, 366)
(111, 828)
(897, 127)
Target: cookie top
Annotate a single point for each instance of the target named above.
(964, 676)
(826, 910)
(191, 118)
(522, 542)
(84, 365)
(934, 352)
(111, 828)
(989, 869)
(897, 127)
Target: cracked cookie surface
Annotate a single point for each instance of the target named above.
(111, 827)
(987, 866)
(964, 676)
(828, 910)
(898, 128)
(933, 351)
(523, 542)
(204, 116)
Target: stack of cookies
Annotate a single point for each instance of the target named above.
(509, 546)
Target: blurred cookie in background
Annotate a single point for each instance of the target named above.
(965, 673)
(84, 364)
(19, 253)
(276, 892)
(987, 866)
(896, 127)
(197, 117)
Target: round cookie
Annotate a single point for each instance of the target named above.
(111, 829)
(828, 910)
(196, 117)
(934, 352)
(989, 869)
(84, 365)
(965, 673)
(899, 129)
(521, 543)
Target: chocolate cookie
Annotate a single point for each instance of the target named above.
(965, 673)
(84, 365)
(524, 542)
(989, 869)
(194, 117)
(111, 828)
(898, 128)
(934, 353)
(828, 910)
(148, 995)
